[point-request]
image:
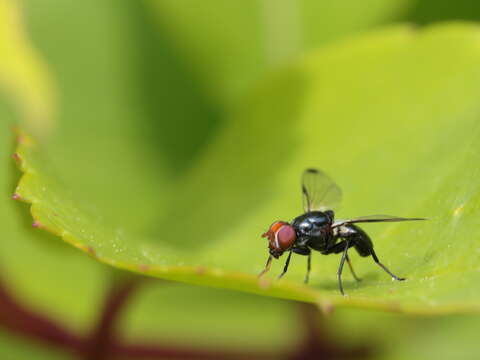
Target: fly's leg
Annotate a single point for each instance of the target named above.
(351, 269)
(363, 244)
(375, 258)
(340, 247)
(309, 265)
(303, 250)
(286, 265)
(267, 266)
(340, 268)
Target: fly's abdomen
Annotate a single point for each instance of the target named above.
(362, 242)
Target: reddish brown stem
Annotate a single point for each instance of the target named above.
(103, 335)
(156, 351)
(24, 322)
(102, 343)
(318, 344)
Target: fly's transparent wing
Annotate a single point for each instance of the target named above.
(319, 191)
(374, 218)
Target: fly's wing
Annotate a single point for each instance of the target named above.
(374, 218)
(319, 191)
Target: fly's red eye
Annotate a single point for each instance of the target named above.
(286, 237)
(281, 236)
(277, 225)
(270, 234)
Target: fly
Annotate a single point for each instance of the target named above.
(318, 230)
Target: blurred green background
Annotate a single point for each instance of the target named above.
(148, 90)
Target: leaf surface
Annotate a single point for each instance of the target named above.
(391, 115)
(230, 44)
(46, 276)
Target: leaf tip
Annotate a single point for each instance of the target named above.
(326, 307)
(16, 157)
(200, 270)
(21, 139)
(36, 224)
(143, 267)
(263, 283)
(91, 251)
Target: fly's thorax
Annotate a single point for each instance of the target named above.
(314, 224)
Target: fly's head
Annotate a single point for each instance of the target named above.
(281, 237)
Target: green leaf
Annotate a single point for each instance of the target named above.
(23, 74)
(229, 44)
(408, 337)
(26, 82)
(181, 314)
(30, 260)
(391, 115)
(46, 276)
(14, 348)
